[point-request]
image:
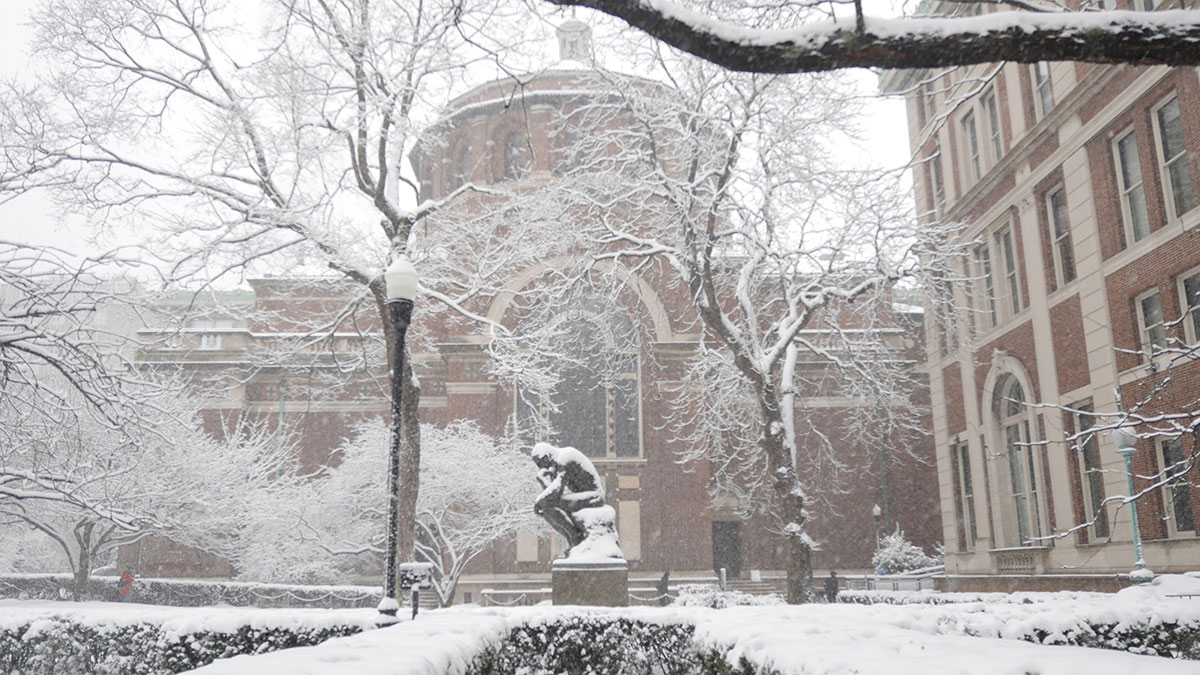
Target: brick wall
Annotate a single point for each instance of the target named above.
(1070, 349)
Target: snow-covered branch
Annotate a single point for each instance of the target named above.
(1140, 38)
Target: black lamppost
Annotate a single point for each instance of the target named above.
(401, 279)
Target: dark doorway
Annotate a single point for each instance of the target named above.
(727, 548)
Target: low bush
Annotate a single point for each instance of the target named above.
(190, 593)
(56, 645)
(711, 596)
(1172, 640)
(603, 645)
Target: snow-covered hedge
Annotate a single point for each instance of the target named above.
(594, 644)
(89, 638)
(711, 595)
(189, 593)
(927, 597)
(982, 638)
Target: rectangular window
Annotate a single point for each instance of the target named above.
(1150, 318)
(971, 146)
(1177, 492)
(1023, 479)
(1043, 93)
(1172, 159)
(1012, 284)
(983, 263)
(992, 111)
(1091, 474)
(939, 183)
(928, 103)
(968, 494)
(947, 311)
(1189, 295)
(1133, 193)
(1060, 233)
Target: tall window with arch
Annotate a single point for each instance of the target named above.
(593, 402)
(1015, 437)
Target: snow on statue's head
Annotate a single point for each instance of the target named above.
(543, 454)
(547, 456)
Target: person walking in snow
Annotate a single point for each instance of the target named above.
(831, 587)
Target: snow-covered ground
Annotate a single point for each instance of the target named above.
(976, 638)
(979, 637)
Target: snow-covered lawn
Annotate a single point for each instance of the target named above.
(976, 637)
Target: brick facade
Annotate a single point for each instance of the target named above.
(676, 511)
(1075, 341)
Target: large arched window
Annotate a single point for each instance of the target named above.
(516, 156)
(593, 404)
(1014, 426)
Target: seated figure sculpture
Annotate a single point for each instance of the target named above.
(572, 502)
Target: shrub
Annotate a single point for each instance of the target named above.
(55, 645)
(604, 645)
(710, 595)
(897, 554)
(190, 593)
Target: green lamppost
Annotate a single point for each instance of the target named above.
(1126, 443)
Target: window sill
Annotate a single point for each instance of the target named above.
(1188, 222)
(1063, 292)
(1003, 327)
(617, 460)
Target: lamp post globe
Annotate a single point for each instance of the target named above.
(1124, 439)
(400, 279)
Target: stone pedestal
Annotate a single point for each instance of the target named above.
(605, 584)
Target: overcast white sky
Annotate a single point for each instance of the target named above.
(32, 218)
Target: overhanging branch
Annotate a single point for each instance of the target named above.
(1139, 38)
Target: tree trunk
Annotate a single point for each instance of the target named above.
(83, 536)
(799, 553)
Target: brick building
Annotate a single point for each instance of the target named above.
(1075, 184)
(501, 134)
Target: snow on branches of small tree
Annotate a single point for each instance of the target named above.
(897, 554)
(327, 527)
(90, 488)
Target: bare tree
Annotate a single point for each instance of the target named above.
(91, 488)
(65, 333)
(729, 187)
(814, 39)
(234, 139)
